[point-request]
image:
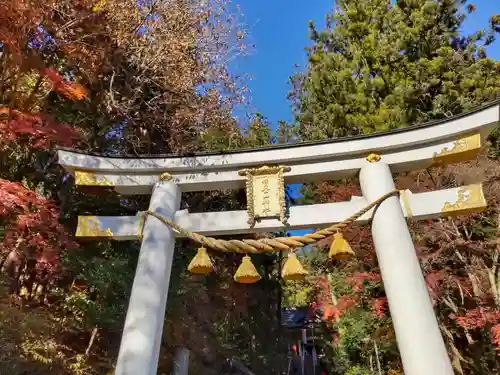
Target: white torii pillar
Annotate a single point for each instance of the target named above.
(141, 339)
(421, 346)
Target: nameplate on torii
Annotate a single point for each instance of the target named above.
(265, 190)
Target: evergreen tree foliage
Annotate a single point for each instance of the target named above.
(379, 66)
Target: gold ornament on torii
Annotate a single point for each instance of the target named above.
(265, 189)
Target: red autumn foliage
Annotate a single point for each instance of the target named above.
(495, 336)
(40, 130)
(323, 300)
(35, 219)
(71, 90)
(322, 291)
(477, 318)
(333, 310)
(379, 306)
(327, 192)
(433, 281)
(358, 278)
(20, 23)
(27, 33)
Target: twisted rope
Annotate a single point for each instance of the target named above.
(265, 244)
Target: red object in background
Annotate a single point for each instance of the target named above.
(294, 348)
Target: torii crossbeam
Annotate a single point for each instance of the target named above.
(375, 158)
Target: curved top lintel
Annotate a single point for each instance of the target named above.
(479, 121)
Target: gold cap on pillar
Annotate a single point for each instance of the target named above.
(293, 270)
(201, 264)
(246, 272)
(340, 248)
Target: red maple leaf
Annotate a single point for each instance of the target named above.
(40, 130)
(35, 219)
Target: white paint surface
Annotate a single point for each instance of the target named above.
(397, 144)
(423, 206)
(227, 177)
(420, 343)
(140, 345)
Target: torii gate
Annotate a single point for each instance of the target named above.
(375, 157)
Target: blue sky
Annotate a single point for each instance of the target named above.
(278, 28)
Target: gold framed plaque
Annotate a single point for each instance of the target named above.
(265, 189)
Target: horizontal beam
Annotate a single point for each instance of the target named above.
(419, 206)
(400, 161)
(447, 132)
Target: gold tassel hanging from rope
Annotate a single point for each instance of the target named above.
(201, 264)
(340, 248)
(293, 270)
(246, 272)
